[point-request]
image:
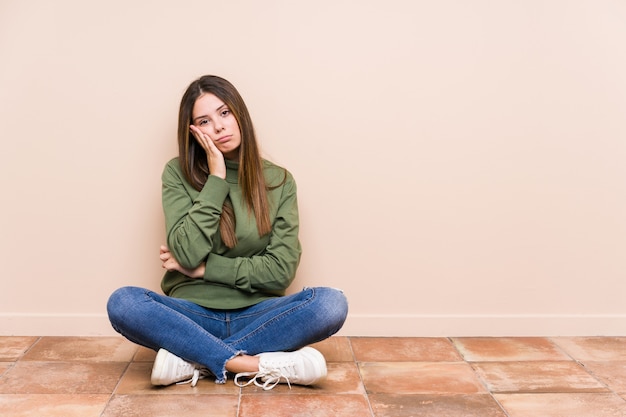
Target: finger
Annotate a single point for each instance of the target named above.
(168, 265)
(201, 137)
(197, 133)
(205, 141)
(194, 130)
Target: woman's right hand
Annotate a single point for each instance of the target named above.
(171, 264)
(215, 158)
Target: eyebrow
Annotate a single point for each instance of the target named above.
(206, 115)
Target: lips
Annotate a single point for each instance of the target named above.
(223, 139)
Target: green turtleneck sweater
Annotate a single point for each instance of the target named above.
(257, 268)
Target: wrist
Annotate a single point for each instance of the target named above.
(199, 271)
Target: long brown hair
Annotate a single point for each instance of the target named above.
(193, 158)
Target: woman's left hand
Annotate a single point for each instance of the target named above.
(171, 264)
(215, 159)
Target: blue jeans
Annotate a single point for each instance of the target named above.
(213, 337)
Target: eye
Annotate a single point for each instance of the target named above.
(225, 112)
(203, 122)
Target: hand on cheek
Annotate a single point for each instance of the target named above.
(215, 159)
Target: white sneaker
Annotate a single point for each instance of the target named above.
(306, 366)
(170, 369)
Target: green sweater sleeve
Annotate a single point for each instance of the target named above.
(275, 268)
(191, 222)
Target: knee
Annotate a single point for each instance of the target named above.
(120, 301)
(335, 305)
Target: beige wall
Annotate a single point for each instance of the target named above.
(460, 163)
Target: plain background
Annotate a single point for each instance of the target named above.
(460, 164)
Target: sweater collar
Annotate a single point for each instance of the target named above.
(232, 168)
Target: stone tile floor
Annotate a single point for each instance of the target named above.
(369, 377)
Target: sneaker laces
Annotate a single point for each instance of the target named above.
(197, 375)
(269, 379)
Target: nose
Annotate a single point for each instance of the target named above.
(218, 126)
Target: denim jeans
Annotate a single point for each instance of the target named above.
(213, 337)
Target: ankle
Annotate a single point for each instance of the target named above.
(243, 363)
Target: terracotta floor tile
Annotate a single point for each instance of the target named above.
(136, 380)
(404, 349)
(420, 378)
(172, 405)
(283, 389)
(13, 347)
(109, 349)
(144, 355)
(335, 349)
(562, 405)
(537, 377)
(391, 405)
(304, 405)
(5, 366)
(613, 374)
(16, 405)
(343, 378)
(62, 378)
(381, 377)
(600, 349)
(487, 349)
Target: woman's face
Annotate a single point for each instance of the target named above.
(215, 119)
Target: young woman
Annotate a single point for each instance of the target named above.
(232, 250)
